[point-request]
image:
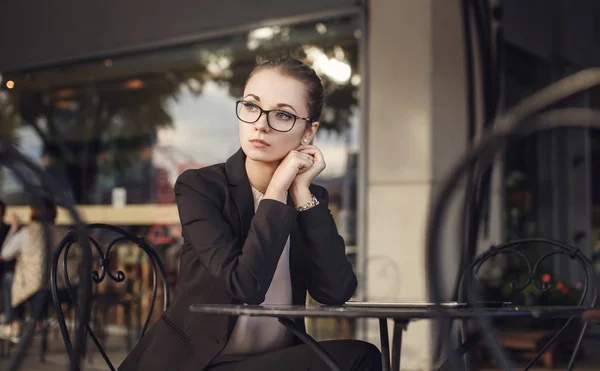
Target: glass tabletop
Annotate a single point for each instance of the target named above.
(400, 311)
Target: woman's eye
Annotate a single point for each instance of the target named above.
(250, 106)
(281, 115)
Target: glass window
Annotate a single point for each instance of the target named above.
(117, 132)
(135, 122)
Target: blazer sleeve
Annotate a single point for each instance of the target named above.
(331, 278)
(245, 268)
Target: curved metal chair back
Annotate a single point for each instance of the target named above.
(104, 254)
(39, 185)
(549, 249)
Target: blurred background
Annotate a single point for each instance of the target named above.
(116, 98)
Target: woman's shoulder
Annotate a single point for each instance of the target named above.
(210, 181)
(203, 176)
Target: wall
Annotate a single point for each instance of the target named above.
(64, 31)
(416, 130)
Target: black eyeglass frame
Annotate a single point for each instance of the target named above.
(266, 112)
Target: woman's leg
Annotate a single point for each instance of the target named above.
(351, 355)
(18, 316)
(9, 313)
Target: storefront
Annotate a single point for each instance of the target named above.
(116, 100)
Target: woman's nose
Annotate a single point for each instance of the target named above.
(261, 123)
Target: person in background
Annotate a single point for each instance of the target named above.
(26, 248)
(7, 268)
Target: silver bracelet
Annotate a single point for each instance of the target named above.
(309, 205)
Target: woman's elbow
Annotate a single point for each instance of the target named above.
(338, 295)
(248, 292)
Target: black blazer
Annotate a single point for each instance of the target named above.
(230, 255)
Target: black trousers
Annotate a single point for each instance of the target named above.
(351, 355)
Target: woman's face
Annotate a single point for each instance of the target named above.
(270, 90)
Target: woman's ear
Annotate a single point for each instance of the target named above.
(310, 132)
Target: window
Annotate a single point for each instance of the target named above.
(118, 131)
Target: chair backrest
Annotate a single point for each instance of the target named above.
(535, 280)
(39, 185)
(104, 253)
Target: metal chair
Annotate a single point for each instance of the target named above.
(528, 275)
(39, 185)
(532, 114)
(104, 255)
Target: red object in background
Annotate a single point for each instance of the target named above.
(159, 235)
(164, 190)
(189, 165)
(546, 278)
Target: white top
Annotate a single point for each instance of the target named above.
(252, 335)
(13, 244)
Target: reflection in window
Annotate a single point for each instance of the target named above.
(136, 122)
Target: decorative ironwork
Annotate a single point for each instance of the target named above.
(104, 256)
(39, 185)
(589, 290)
(532, 274)
(528, 116)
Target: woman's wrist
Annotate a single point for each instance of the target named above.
(300, 195)
(276, 193)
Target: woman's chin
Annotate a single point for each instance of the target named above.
(260, 154)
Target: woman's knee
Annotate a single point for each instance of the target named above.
(368, 355)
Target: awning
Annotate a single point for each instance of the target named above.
(51, 33)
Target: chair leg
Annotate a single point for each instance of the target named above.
(95, 325)
(127, 315)
(44, 343)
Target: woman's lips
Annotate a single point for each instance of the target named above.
(258, 143)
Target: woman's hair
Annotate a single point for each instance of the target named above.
(302, 72)
(43, 211)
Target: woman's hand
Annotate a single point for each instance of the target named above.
(294, 163)
(299, 188)
(307, 175)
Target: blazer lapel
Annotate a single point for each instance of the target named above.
(296, 273)
(241, 191)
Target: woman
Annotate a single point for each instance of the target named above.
(256, 231)
(26, 246)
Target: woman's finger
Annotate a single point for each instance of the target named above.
(313, 152)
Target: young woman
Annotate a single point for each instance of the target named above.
(26, 248)
(257, 231)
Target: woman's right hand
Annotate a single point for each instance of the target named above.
(293, 164)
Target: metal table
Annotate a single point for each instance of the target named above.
(401, 313)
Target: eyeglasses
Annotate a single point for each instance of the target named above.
(276, 119)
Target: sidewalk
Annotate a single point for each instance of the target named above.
(56, 357)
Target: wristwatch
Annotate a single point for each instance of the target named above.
(309, 205)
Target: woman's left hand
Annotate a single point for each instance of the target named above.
(305, 178)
